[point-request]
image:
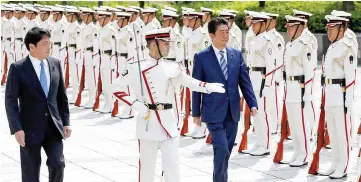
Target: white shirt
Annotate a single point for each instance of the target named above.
(216, 51)
(36, 64)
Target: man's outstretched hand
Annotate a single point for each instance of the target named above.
(215, 87)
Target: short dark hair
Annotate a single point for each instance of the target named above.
(34, 35)
(214, 23)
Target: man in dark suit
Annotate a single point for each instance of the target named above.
(37, 108)
(221, 111)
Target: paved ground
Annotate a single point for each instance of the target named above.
(104, 149)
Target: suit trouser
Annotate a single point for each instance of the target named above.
(300, 131)
(223, 135)
(30, 156)
(148, 150)
(261, 122)
(339, 132)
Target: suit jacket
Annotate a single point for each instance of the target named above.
(214, 107)
(26, 105)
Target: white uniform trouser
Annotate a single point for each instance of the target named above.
(299, 131)
(10, 53)
(107, 75)
(310, 115)
(148, 156)
(126, 110)
(18, 50)
(339, 132)
(274, 105)
(74, 73)
(261, 122)
(90, 76)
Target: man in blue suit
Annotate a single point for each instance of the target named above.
(37, 108)
(221, 111)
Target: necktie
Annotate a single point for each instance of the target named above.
(43, 80)
(223, 65)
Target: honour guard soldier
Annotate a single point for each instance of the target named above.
(249, 35)
(206, 19)
(44, 14)
(275, 95)
(147, 19)
(8, 42)
(153, 17)
(198, 41)
(74, 43)
(137, 28)
(156, 126)
(107, 43)
(186, 31)
(125, 47)
(234, 31)
(176, 26)
(235, 39)
(261, 58)
(340, 68)
(91, 56)
(139, 20)
(20, 28)
(32, 16)
(58, 31)
(352, 37)
(310, 115)
(299, 74)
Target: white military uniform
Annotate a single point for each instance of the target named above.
(126, 52)
(310, 115)
(299, 73)
(107, 43)
(261, 58)
(20, 48)
(91, 60)
(8, 41)
(235, 38)
(160, 79)
(275, 95)
(196, 42)
(75, 60)
(58, 39)
(247, 43)
(340, 65)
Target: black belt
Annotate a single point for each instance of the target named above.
(300, 78)
(340, 81)
(72, 45)
(89, 49)
(159, 106)
(57, 43)
(123, 54)
(9, 39)
(170, 59)
(258, 68)
(108, 52)
(19, 39)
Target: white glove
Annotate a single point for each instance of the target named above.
(307, 98)
(141, 108)
(215, 87)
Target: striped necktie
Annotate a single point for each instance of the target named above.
(223, 64)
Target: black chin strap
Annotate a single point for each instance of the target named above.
(259, 30)
(338, 34)
(194, 25)
(294, 35)
(160, 54)
(269, 24)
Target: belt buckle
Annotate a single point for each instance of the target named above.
(329, 81)
(160, 107)
(302, 85)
